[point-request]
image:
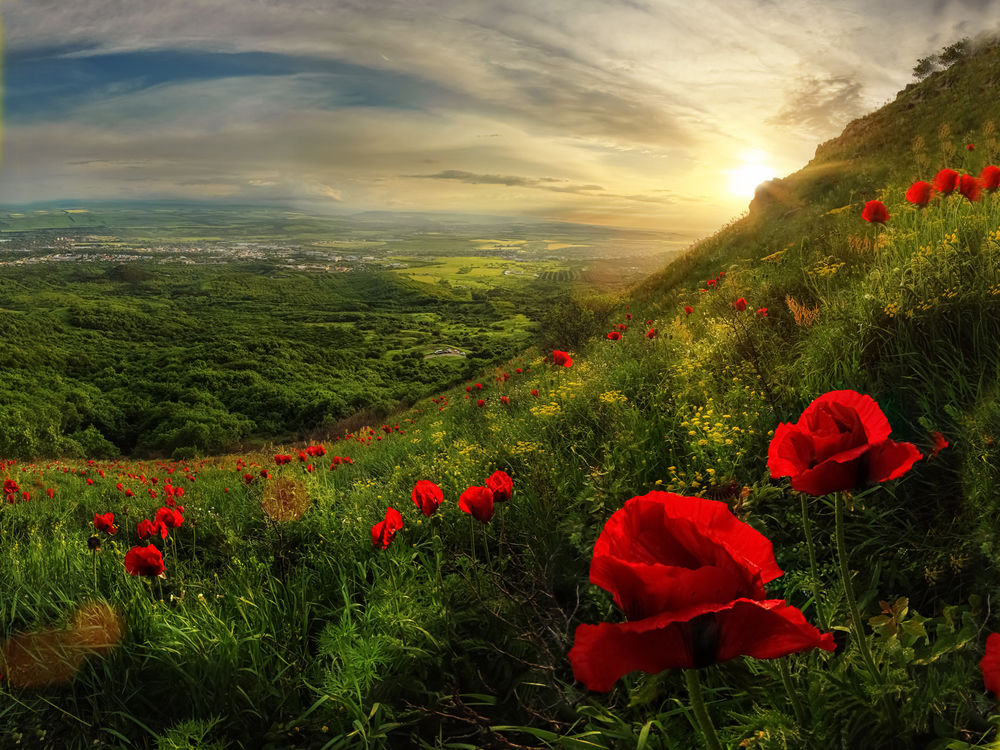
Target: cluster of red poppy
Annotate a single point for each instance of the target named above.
(561, 358)
(616, 335)
(11, 490)
(741, 305)
(945, 182)
(427, 497)
(948, 180)
(689, 575)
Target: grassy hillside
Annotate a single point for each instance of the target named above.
(280, 624)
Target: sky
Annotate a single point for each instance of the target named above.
(657, 114)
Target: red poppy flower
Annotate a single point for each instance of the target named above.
(710, 282)
(534, 392)
(969, 187)
(504, 400)
(561, 358)
(518, 370)
(990, 663)
(989, 178)
(651, 333)
(875, 212)
(840, 442)
(282, 459)
(920, 193)
(688, 309)
(501, 485)
(970, 147)
(106, 523)
(614, 336)
(939, 444)
(722, 274)
(621, 326)
(628, 316)
(479, 386)
(481, 403)
(762, 312)
(945, 181)
(144, 561)
(9, 485)
(385, 530)
(690, 578)
(478, 501)
(147, 529)
(427, 496)
(169, 517)
(468, 388)
(740, 304)
(691, 638)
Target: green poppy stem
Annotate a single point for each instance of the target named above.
(786, 680)
(700, 712)
(94, 554)
(852, 603)
(813, 568)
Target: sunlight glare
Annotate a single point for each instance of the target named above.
(743, 180)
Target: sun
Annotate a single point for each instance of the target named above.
(743, 180)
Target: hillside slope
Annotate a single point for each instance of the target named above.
(289, 617)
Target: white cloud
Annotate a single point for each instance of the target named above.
(636, 97)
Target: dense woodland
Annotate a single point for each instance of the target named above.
(101, 360)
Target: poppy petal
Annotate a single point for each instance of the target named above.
(691, 638)
(890, 460)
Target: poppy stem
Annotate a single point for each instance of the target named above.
(793, 698)
(700, 712)
(813, 568)
(94, 554)
(852, 603)
(472, 537)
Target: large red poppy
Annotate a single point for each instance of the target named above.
(169, 517)
(989, 178)
(105, 522)
(969, 187)
(690, 578)
(946, 181)
(427, 496)
(561, 358)
(477, 501)
(875, 212)
(147, 529)
(385, 531)
(144, 561)
(840, 442)
(663, 551)
(920, 193)
(501, 485)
